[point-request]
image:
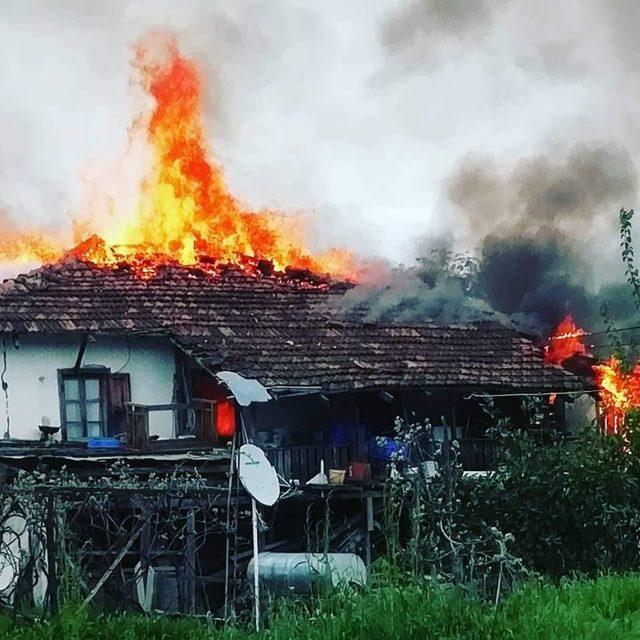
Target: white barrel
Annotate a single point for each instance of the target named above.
(298, 573)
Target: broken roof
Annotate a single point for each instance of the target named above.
(277, 328)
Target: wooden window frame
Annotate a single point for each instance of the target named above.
(101, 374)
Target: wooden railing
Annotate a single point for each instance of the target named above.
(303, 462)
(478, 454)
(195, 418)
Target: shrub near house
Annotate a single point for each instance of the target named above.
(571, 506)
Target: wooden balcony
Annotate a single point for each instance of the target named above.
(478, 454)
(303, 462)
(195, 419)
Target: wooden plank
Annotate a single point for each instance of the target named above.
(190, 564)
(112, 567)
(81, 350)
(368, 528)
(52, 576)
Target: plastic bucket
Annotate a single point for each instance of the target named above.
(359, 470)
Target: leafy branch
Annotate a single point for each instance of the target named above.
(626, 245)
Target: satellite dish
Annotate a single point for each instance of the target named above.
(257, 475)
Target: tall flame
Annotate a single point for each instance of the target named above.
(185, 211)
(619, 392)
(565, 342)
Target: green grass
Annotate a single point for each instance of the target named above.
(600, 609)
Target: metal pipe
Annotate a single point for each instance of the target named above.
(256, 572)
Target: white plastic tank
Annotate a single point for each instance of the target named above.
(299, 573)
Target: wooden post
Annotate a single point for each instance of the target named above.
(140, 431)
(454, 419)
(145, 541)
(190, 563)
(52, 577)
(228, 527)
(446, 462)
(368, 528)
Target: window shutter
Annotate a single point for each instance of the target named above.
(119, 393)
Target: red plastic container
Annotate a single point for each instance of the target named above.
(359, 470)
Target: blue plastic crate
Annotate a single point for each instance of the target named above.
(104, 443)
(382, 448)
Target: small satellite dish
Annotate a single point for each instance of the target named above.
(257, 475)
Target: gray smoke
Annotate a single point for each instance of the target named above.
(417, 28)
(537, 204)
(443, 288)
(402, 295)
(540, 224)
(536, 281)
(549, 195)
(534, 226)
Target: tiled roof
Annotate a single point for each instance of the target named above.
(281, 329)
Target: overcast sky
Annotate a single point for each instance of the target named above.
(365, 114)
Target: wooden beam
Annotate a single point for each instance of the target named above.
(113, 566)
(190, 564)
(83, 347)
(162, 407)
(368, 528)
(52, 576)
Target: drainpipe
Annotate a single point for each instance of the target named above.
(5, 388)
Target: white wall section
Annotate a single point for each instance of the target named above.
(32, 377)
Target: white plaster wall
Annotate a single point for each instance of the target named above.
(580, 412)
(32, 377)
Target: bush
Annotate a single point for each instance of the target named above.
(571, 506)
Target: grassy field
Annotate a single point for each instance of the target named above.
(605, 608)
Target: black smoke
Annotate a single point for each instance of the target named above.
(534, 227)
(535, 282)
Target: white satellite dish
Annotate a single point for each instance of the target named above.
(260, 480)
(257, 475)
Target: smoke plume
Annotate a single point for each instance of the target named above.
(417, 28)
(544, 195)
(533, 226)
(442, 289)
(509, 125)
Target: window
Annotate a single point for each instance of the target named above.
(93, 402)
(82, 403)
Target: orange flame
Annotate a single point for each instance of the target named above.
(185, 212)
(25, 246)
(619, 392)
(566, 341)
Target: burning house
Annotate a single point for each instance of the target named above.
(618, 385)
(170, 369)
(105, 354)
(164, 370)
(197, 325)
